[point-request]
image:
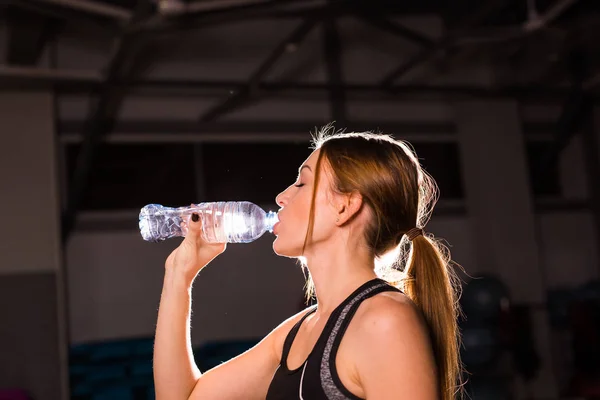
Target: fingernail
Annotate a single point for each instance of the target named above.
(195, 217)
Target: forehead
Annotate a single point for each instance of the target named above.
(311, 161)
(325, 175)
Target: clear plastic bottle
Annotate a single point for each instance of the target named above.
(222, 222)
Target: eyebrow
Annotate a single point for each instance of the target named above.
(304, 166)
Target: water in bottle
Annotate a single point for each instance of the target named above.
(222, 222)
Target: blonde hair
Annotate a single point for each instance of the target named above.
(401, 195)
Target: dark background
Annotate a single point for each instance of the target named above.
(110, 105)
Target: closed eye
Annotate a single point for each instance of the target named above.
(299, 185)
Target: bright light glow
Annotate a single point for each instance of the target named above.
(234, 224)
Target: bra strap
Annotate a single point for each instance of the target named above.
(287, 345)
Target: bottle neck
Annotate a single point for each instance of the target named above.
(270, 220)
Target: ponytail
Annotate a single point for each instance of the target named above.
(430, 284)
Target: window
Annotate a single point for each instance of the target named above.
(131, 176)
(442, 162)
(543, 176)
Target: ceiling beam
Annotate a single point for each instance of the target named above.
(249, 131)
(244, 93)
(103, 110)
(86, 82)
(156, 131)
(28, 33)
(384, 24)
(189, 20)
(84, 22)
(93, 7)
(427, 53)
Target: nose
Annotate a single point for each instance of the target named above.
(281, 199)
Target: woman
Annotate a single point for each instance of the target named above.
(357, 197)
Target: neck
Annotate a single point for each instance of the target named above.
(338, 271)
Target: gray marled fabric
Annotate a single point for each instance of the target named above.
(329, 386)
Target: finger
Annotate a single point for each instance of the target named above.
(194, 225)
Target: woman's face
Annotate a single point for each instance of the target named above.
(295, 209)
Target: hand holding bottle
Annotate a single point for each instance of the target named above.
(193, 253)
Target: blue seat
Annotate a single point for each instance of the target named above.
(141, 368)
(78, 369)
(211, 354)
(150, 394)
(113, 392)
(81, 390)
(102, 373)
(225, 348)
(111, 351)
(143, 347)
(80, 350)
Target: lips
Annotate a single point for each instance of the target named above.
(276, 226)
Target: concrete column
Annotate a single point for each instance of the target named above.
(591, 140)
(500, 211)
(33, 340)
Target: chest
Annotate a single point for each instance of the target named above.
(309, 344)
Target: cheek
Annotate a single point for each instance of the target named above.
(296, 224)
(322, 227)
(323, 222)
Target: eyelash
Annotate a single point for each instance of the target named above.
(299, 185)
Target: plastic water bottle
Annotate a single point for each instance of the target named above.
(222, 222)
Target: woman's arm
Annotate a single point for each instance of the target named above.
(246, 376)
(175, 373)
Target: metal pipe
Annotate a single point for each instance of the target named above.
(179, 7)
(175, 7)
(93, 7)
(271, 128)
(203, 6)
(182, 18)
(554, 12)
(36, 73)
(232, 137)
(87, 80)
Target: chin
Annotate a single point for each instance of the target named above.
(286, 250)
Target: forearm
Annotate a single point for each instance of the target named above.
(175, 372)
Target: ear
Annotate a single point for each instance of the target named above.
(349, 206)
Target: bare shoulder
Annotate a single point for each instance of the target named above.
(389, 320)
(388, 310)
